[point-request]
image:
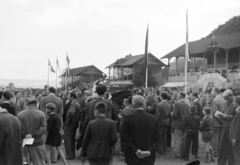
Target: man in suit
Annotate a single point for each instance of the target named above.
(10, 139)
(5, 97)
(72, 121)
(52, 98)
(180, 110)
(33, 124)
(101, 135)
(110, 113)
(218, 104)
(141, 134)
(226, 155)
(163, 114)
(197, 103)
(235, 132)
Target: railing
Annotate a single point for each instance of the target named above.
(190, 78)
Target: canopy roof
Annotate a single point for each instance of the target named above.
(174, 84)
(80, 70)
(130, 60)
(226, 41)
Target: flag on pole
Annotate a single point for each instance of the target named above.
(146, 50)
(50, 65)
(186, 47)
(68, 62)
(58, 65)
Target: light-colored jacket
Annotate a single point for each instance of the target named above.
(218, 104)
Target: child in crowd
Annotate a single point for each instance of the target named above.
(206, 129)
(54, 136)
(191, 125)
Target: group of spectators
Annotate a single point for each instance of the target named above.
(150, 122)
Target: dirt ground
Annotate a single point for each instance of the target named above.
(160, 160)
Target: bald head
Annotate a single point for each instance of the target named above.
(138, 101)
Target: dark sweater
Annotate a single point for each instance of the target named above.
(206, 124)
(9, 108)
(192, 122)
(53, 124)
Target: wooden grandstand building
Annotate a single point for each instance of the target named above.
(81, 75)
(121, 72)
(219, 66)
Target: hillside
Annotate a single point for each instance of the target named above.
(231, 26)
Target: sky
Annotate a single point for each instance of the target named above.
(98, 32)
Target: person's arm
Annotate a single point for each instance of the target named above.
(60, 113)
(114, 113)
(185, 122)
(71, 114)
(214, 108)
(236, 134)
(156, 140)
(175, 111)
(113, 136)
(158, 112)
(86, 140)
(50, 124)
(2, 135)
(125, 137)
(42, 129)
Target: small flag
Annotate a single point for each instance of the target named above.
(51, 68)
(146, 50)
(186, 47)
(58, 65)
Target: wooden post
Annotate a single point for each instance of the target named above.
(168, 68)
(177, 65)
(204, 68)
(194, 64)
(113, 73)
(227, 62)
(109, 73)
(215, 59)
(127, 72)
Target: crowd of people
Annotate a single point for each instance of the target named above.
(151, 120)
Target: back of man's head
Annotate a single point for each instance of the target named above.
(164, 96)
(101, 107)
(73, 95)
(7, 95)
(217, 90)
(193, 109)
(195, 94)
(52, 90)
(101, 89)
(183, 95)
(138, 102)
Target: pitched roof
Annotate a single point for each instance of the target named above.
(79, 70)
(131, 60)
(226, 41)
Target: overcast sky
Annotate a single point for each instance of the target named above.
(98, 31)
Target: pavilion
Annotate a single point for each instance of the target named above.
(122, 71)
(221, 61)
(86, 74)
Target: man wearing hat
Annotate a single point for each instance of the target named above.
(225, 145)
(33, 123)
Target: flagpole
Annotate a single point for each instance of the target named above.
(186, 53)
(56, 76)
(146, 59)
(48, 77)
